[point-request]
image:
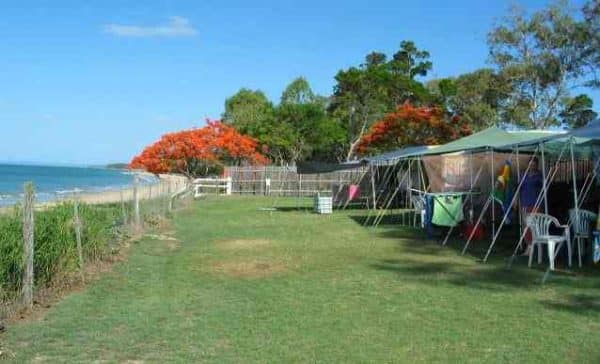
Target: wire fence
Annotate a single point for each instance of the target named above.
(44, 243)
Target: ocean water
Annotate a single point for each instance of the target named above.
(52, 183)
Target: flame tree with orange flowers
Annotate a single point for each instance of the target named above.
(200, 152)
(412, 125)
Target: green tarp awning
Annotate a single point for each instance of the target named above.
(493, 137)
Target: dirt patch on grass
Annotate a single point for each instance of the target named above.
(171, 242)
(243, 244)
(248, 269)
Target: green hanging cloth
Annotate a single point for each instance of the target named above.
(447, 210)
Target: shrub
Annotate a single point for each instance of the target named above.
(55, 243)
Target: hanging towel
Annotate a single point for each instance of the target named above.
(353, 192)
(447, 210)
(503, 191)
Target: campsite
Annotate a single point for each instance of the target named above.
(260, 276)
(300, 182)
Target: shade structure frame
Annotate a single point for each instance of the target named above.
(489, 201)
(539, 200)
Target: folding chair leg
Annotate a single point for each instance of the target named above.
(551, 255)
(569, 253)
(531, 255)
(579, 250)
(546, 275)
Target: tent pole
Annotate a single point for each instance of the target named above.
(537, 203)
(378, 198)
(471, 186)
(483, 210)
(463, 205)
(575, 199)
(410, 183)
(584, 192)
(379, 218)
(545, 185)
(519, 212)
(422, 176)
(493, 177)
(381, 198)
(362, 176)
(389, 173)
(505, 215)
(587, 184)
(373, 192)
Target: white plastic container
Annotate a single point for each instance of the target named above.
(323, 204)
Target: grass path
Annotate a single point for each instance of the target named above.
(245, 285)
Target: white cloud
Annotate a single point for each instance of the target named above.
(177, 26)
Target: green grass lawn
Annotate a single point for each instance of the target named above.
(248, 285)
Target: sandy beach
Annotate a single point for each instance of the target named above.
(167, 185)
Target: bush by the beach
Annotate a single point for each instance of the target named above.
(55, 243)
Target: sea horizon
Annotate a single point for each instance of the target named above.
(53, 182)
(58, 164)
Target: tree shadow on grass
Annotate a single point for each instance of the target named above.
(290, 208)
(488, 277)
(427, 261)
(415, 240)
(368, 220)
(575, 303)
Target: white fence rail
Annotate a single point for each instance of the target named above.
(215, 185)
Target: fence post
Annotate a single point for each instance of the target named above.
(78, 234)
(136, 201)
(28, 243)
(123, 210)
(229, 184)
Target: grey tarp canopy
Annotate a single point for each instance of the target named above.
(393, 157)
(591, 131)
(321, 167)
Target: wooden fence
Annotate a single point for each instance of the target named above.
(286, 181)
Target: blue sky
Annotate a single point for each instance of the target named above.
(90, 82)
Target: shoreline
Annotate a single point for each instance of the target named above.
(167, 184)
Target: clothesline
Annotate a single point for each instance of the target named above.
(442, 194)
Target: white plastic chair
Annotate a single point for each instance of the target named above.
(418, 204)
(581, 227)
(539, 225)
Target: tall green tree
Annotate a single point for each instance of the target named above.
(309, 131)
(365, 93)
(297, 129)
(577, 111)
(544, 56)
(248, 111)
(298, 92)
(476, 96)
(591, 52)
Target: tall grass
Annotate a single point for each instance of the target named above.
(55, 244)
